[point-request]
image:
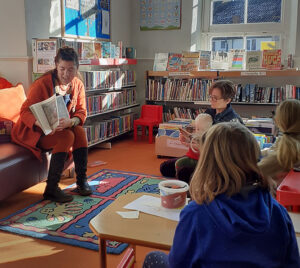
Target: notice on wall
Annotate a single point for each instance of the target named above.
(160, 15)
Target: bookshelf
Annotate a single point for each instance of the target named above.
(187, 91)
(110, 86)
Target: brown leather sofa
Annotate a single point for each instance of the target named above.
(19, 168)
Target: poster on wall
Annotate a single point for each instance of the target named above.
(160, 14)
(88, 19)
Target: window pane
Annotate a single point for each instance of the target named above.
(227, 43)
(262, 42)
(228, 12)
(264, 11)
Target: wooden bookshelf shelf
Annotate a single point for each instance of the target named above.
(108, 62)
(114, 110)
(259, 73)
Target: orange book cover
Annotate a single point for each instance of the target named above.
(271, 59)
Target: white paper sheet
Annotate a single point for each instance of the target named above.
(152, 205)
(105, 22)
(129, 214)
(295, 217)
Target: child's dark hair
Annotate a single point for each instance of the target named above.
(67, 54)
(227, 88)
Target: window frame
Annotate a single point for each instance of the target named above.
(209, 31)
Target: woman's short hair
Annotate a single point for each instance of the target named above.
(228, 161)
(227, 88)
(287, 118)
(67, 54)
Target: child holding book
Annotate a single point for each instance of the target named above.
(185, 166)
(285, 154)
(27, 132)
(233, 221)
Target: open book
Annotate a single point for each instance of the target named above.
(49, 111)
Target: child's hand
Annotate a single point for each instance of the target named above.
(184, 140)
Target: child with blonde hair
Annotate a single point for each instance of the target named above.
(285, 155)
(233, 221)
(185, 165)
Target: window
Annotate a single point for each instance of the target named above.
(244, 24)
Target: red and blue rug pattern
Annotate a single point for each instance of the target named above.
(69, 222)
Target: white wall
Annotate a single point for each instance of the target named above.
(14, 62)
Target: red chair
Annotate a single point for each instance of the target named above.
(151, 116)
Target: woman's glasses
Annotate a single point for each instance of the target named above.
(214, 98)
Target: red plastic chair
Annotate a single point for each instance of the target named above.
(288, 192)
(151, 116)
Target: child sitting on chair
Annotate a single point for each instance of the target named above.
(233, 221)
(185, 165)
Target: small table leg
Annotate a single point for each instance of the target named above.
(102, 251)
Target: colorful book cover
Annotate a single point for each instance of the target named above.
(219, 60)
(253, 59)
(174, 62)
(204, 60)
(88, 50)
(130, 53)
(271, 59)
(190, 61)
(105, 49)
(160, 61)
(97, 54)
(236, 59)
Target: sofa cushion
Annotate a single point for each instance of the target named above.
(11, 100)
(4, 83)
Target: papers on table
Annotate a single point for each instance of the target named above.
(152, 205)
(129, 214)
(295, 217)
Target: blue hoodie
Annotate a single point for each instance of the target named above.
(246, 230)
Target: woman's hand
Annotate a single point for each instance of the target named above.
(64, 123)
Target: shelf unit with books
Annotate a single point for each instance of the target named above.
(256, 93)
(110, 96)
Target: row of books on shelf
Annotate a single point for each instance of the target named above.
(178, 89)
(110, 101)
(108, 128)
(183, 113)
(44, 51)
(105, 79)
(235, 59)
(198, 90)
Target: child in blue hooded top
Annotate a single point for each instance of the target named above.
(233, 221)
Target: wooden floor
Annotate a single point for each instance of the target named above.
(19, 251)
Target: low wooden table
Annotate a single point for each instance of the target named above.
(148, 230)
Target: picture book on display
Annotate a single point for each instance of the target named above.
(236, 59)
(204, 60)
(174, 62)
(219, 60)
(253, 60)
(271, 59)
(160, 61)
(49, 111)
(190, 61)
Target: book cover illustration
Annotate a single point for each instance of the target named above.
(160, 61)
(105, 49)
(97, 54)
(253, 60)
(190, 61)
(205, 56)
(44, 52)
(236, 59)
(174, 62)
(219, 60)
(88, 50)
(271, 59)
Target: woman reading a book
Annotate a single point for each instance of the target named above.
(221, 93)
(69, 134)
(233, 221)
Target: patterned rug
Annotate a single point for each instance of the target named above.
(68, 223)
